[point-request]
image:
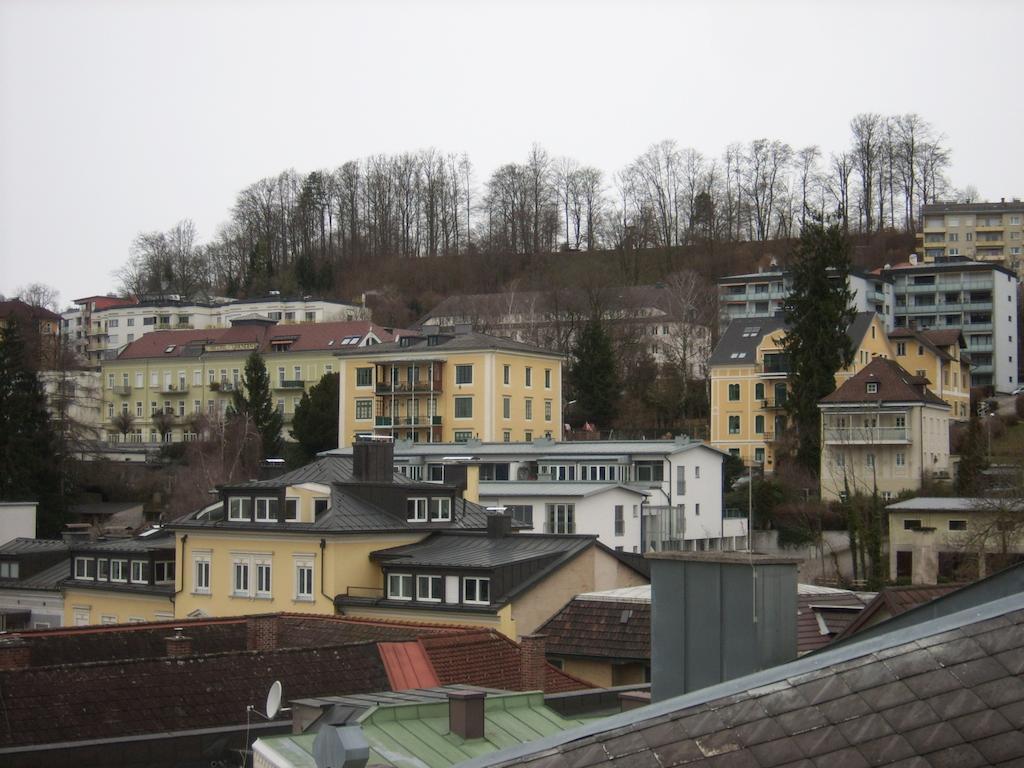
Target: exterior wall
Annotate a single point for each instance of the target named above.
(487, 390)
(930, 535)
(1006, 344)
(592, 515)
(950, 380)
(345, 563)
(992, 234)
(123, 607)
(926, 452)
(47, 607)
(592, 571)
(197, 373)
(500, 622)
(17, 520)
(79, 393)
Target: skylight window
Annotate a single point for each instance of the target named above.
(751, 331)
(738, 355)
(330, 343)
(351, 340)
(168, 349)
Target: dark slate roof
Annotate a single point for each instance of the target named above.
(820, 618)
(600, 629)
(105, 508)
(160, 538)
(47, 580)
(326, 469)
(479, 551)
(462, 342)
(895, 385)
(740, 338)
(947, 692)
(25, 546)
(859, 327)
(893, 601)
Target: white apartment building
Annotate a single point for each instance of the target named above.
(675, 486)
(979, 298)
(102, 326)
(761, 294)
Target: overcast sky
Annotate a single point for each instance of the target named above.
(120, 117)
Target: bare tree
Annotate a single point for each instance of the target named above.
(40, 295)
(866, 154)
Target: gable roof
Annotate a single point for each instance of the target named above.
(947, 690)
(895, 385)
(893, 601)
(23, 311)
(600, 629)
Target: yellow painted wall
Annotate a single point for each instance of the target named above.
(488, 390)
(313, 366)
(346, 563)
(121, 605)
(592, 571)
(597, 672)
(499, 622)
(950, 380)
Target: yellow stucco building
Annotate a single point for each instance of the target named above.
(167, 382)
(750, 377)
(451, 388)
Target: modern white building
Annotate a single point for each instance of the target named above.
(17, 520)
(979, 298)
(761, 294)
(676, 486)
(111, 324)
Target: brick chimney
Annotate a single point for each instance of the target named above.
(466, 713)
(178, 644)
(261, 632)
(15, 652)
(499, 525)
(373, 459)
(533, 663)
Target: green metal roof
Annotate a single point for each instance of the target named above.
(416, 735)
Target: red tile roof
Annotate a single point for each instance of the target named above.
(305, 337)
(895, 385)
(408, 666)
(21, 310)
(490, 660)
(107, 302)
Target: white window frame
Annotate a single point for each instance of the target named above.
(162, 565)
(82, 568)
(137, 568)
(440, 509)
(202, 572)
(119, 571)
(264, 578)
(305, 570)
(243, 507)
(417, 509)
(477, 581)
(401, 580)
(264, 513)
(460, 369)
(241, 566)
(429, 595)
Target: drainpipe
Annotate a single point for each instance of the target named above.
(323, 562)
(181, 568)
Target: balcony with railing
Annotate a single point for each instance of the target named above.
(391, 422)
(178, 388)
(290, 384)
(866, 435)
(775, 404)
(416, 387)
(774, 364)
(123, 389)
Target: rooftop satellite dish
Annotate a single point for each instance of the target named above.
(274, 700)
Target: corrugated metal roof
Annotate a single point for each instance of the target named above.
(21, 546)
(450, 550)
(47, 580)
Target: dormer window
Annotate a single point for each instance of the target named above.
(416, 510)
(440, 509)
(239, 508)
(872, 388)
(9, 569)
(266, 510)
(291, 510)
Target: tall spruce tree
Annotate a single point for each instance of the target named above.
(972, 460)
(30, 454)
(254, 401)
(315, 423)
(593, 376)
(818, 311)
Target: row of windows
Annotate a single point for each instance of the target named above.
(952, 525)
(436, 509)
(899, 460)
(179, 381)
(123, 571)
(240, 508)
(759, 392)
(433, 588)
(463, 375)
(252, 575)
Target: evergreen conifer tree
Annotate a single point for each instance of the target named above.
(315, 423)
(253, 400)
(972, 460)
(30, 455)
(593, 375)
(818, 311)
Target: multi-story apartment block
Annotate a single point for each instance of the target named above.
(81, 333)
(634, 495)
(750, 375)
(167, 382)
(979, 298)
(450, 388)
(991, 232)
(882, 430)
(761, 294)
(653, 317)
(111, 324)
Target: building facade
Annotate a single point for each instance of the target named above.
(882, 431)
(989, 232)
(750, 375)
(164, 386)
(637, 495)
(444, 388)
(978, 298)
(762, 294)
